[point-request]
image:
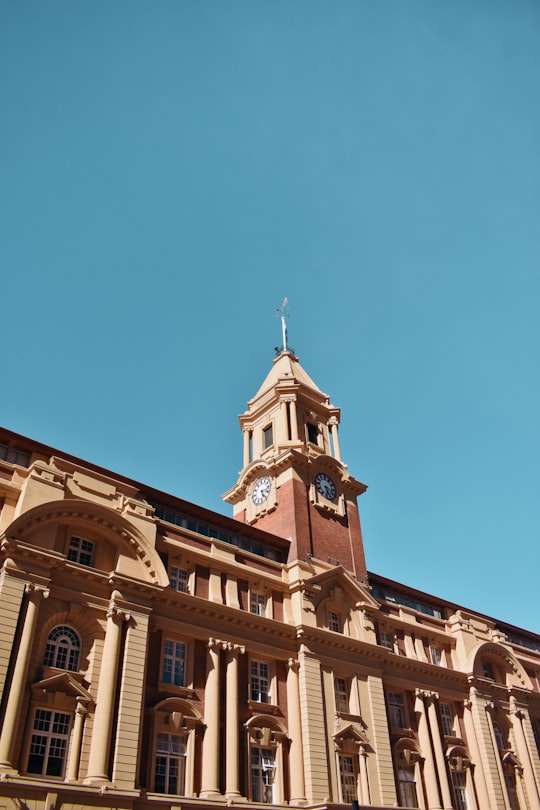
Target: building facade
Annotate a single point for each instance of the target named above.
(154, 654)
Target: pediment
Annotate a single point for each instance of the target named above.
(339, 584)
(351, 731)
(64, 683)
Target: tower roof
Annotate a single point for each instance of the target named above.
(286, 364)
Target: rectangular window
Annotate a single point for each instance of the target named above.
(447, 719)
(170, 771)
(260, 682)
(347, 776)
(334, 622)
(396, 710)
(407, 787)
(262, 775)
(48, 745)
(459, 780)
(341, 694)
(313, 433)
(81, 551)
(14, 456)
(488, 671)
(386, 640)
(174, 662)
(258, 603)
(179, 579)
(436, 656)
(268, 437)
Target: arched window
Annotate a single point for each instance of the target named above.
(63, 649)
(266, 767)
(172, 768)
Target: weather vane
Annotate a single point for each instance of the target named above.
(280, 312)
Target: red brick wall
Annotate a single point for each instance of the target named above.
(314, 531)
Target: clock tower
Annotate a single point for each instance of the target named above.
(293, 482)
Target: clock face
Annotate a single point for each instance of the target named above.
(261, 491)
(325, 486)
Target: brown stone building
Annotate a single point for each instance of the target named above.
(154, 654)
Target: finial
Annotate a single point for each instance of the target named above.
(281, 313)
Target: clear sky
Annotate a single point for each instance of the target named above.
(170, 170)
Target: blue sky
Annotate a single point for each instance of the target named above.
(169, 171)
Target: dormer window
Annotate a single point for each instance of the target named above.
(268, 437)
(80, 551)
(312, 433)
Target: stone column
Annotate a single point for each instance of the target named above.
(364, 782)
(433, 721)
(294, 420)
(98, 760)
(333, 424)
(430, 772)
(72, 770)
(232, 724)
(283, 419)
(15, 699)
(296, 751)
(210, 754)
(516, 717)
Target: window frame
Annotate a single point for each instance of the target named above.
(45, 738)
(458, 782)
(173, 658)
(76, 553)
(348, 778)
(170, 757)
(342, 694)
(55, 650)
(268, 436)
(259, 601)
(335, 622)
(175, 580)
(447, 716)
(312, 433)
(397, 709)
(387, 640)
(266, 787)
(404, 786)
(436, 655)
(257, 674)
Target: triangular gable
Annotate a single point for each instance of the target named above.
(338, 578)
(64, 683)
(350, 733)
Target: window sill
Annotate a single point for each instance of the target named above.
(263, 708)
(177, 691)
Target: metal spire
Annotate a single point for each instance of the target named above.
(280, 312)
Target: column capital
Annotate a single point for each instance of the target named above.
(489, 706)
(293, 664)
(426, 694)
(34, 590)
(287, 398)
(333, 421)
(118, 614)
(228, 646)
